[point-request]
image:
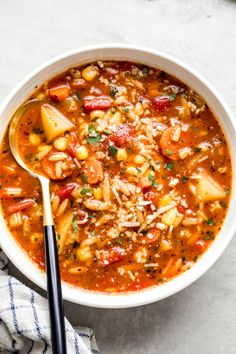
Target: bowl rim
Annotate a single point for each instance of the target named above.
(148, 295)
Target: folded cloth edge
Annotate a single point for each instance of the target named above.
(24, 320)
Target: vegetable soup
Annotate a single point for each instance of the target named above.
(140, 175)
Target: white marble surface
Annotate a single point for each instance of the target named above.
(202, 318)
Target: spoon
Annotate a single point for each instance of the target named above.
(54, 294)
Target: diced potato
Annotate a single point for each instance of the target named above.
(172, 217)
(121, 155)
(208, 189)
(165, 200)
(34, 139)
(84, 254)
(54, 122)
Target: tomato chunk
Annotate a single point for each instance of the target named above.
(93, 170)
(152, 197)
(101, 102)
(161, 102)
(169, 147)
(200, 246)
(60, 93)
(22, 205)
(78, 84)
(122, 136)
(150, 237)
(65, 192)
(114, 254)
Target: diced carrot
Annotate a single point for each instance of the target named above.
(60, 93)
(22, 205)
(93, 170)
(50, 170)
(171, 148)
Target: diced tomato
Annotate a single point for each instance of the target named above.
(114, 254)
(101, 102)
(60, 92)
(161, 102)
(22, 205)
(150, 237)
(93, 170)
(65, 192)
(200, 246)
(171, 148)
(122, 136)
(78, 84)
(144, 183)
(152, 197)
(181, 209)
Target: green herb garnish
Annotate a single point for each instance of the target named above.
(113, 91)
(74, 226)
(94, 136)
(37, 130)
(112, 150)
(170, 166)
(210, 221)
(184, 179)
(172, 96)
(106, 132)
(84, 178)
(227, 191)
(85, 190)
(151, 177)
(168, 152)
(126, 109)
(138, 170)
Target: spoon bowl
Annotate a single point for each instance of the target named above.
(52, 267)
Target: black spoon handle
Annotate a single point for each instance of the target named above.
(55, 301)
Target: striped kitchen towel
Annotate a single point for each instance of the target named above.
(24, 321)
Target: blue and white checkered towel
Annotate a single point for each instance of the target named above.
(24, 321)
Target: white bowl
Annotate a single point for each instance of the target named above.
(172, 66)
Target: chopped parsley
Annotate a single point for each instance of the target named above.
(210, 221)
(168, 152)
(94, 136)
(172, 97)
(112, 150)
(113, 91)
(106, 132)
(119, 240)
(170, 166)
(91, 216)
(138, 170)
(151, 177)
(37, 130)
(184, 179)
(85, 190)
(209, 235)
(84, 178)
(197, 149)
(74, 226)
(126, 109)
(227, 191)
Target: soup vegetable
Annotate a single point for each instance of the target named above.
(140, 175)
